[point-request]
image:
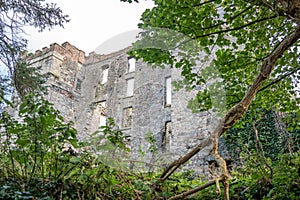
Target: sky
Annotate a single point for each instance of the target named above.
(93, 23)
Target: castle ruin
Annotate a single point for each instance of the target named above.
(88, 89)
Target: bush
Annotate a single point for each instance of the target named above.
(39, 159)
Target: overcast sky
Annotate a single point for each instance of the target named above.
(93, 22)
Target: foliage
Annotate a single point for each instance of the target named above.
(253, 178)
(292, 143)
(232, 37)
(252, 182)
(109, 144)
(113, 135)
(14, 16)
(28, 79)
(152, 142)
(249, 182)
(33, 145)
(242, 140)
(40, 159)
(5, 91)
(247, 49)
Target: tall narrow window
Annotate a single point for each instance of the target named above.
(131, 64)
(130, 87)
(168, 92)
(102, 111)
(104, 76)
(127, 117)
(166, 137)
(78, 85)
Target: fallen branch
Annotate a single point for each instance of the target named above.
(192, 191)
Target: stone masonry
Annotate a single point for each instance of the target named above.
(88, 89)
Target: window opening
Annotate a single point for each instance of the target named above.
(104, 76)
(127, 117)
(166, 137)
(131, 64)
(78, 85)
(130, 87)
(168, 91)
(102, 111)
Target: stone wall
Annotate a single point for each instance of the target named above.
(147, 104)
(62, 63)
(190, 129)
(88, 89)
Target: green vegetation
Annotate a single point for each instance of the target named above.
(249, 66)
(253, 47)
(40, 158)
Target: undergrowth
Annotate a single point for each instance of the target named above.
(41, 158)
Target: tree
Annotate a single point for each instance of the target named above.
(254, 45)
(14, 16)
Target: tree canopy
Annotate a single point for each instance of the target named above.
(14, 16)
(253, 46)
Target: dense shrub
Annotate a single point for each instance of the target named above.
(40, 158)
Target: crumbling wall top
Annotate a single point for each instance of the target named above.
(66, 49)
(94, 57)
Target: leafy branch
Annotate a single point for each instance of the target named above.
(226, 30)
(236, 112)
(279, 79)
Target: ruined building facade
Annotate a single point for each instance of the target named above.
(88, 89)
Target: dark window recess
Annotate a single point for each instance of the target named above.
(166, 137)
(78, 85)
